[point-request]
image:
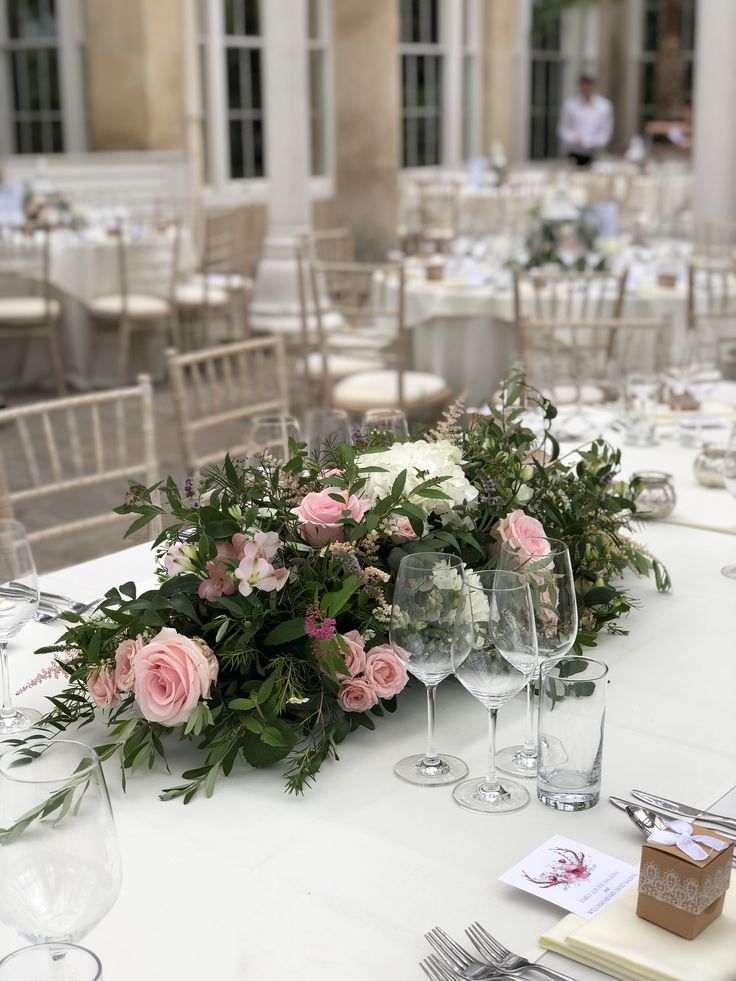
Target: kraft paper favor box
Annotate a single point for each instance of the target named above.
(680, 893)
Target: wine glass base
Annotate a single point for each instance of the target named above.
(20, 720)
(476, 795)
(729, 571)
(52, 962)
(448, 769)
(514, 761)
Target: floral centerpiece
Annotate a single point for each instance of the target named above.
(266, 638)
(48, 210)
(569, 243)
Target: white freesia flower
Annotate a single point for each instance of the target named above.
(422, 461)
(446, 576)
(479, 605)
(524, 494)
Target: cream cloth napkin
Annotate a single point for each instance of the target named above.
(622, 945)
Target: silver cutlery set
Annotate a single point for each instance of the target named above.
(52, 607)
(491, 959)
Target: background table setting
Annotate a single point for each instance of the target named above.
(351, 875)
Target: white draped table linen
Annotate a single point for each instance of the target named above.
(343, 882)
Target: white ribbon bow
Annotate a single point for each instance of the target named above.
(682, 837)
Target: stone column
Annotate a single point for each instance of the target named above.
(502, 57)
(136, 76)
(367, 121)
(715, 91)
(275, 302)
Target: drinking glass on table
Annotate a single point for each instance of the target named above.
(59, 861)
(271, 434)
(572, 706)
(18, 605)
(327, 429)
(427, 595)
(729, 476)
(641, 389)
(392, 422)
(546, 564)
(494, 652)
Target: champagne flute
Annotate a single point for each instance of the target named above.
(388, 422)
(494, 652)
(546, 563)
(729, 476)
(327, 429)
(59, 860)
(271, 434)
(18, 605)
(427, 594)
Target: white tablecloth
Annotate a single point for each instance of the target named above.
(343, 883)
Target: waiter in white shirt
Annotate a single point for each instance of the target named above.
(586, 123)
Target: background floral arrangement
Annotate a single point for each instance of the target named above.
(49, 209)
(267, 637)
(548, 237)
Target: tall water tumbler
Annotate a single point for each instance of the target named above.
(572, 709)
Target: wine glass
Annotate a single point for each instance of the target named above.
(389, 422)
(18, 605)
(546, 563)
(494, 652)
(427, 594)
(729, 476)
(641, 389)
(271, 434)
(327, 428)
(59, 861)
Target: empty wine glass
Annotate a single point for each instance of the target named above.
(391, 422)
(427, 594)
(729, 476)
(641, 389)
(59, 861)
(547, 565)
(18, 605)
(494, 652)
(327, 429)
(271, 434)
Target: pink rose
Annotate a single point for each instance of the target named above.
(356, 695)
(384, 672)
(101, 688)
(525, 535)
(124, 657)
(172, 673)
(354, 658)
(321, 516)
(402, 531)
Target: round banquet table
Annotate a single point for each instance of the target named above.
(83, 266)
(343, 882)
(465, 332)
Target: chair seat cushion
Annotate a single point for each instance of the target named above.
(196, 294)
(27, 310)
(359, 340)
(139, 306)
(226, 281)
(338, 365)
(380, 389)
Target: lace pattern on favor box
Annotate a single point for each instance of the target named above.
(685, 894)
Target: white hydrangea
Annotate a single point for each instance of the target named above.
(421, 460)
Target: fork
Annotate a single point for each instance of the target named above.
(438, 970)
(503, 959)
(51, 614)
(460, 962)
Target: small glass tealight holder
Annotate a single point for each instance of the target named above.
(654, 494)
(708, 466)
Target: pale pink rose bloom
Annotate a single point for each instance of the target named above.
(545, 612)
(172, 673)
(124, 658)
(525, 535)
(354, 657)
(356, 695)
(384, 672)
(402, 531)
(255, 572)
(320, 516)
(101, 688)
(218, 583)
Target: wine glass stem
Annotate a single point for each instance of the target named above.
(6, 707)
(430, 757)
(491, 777)
(530, 737)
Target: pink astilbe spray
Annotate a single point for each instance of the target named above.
(53, 670)
(317, 626)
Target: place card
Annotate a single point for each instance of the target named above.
(571, 875)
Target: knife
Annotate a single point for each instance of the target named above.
(683, 810)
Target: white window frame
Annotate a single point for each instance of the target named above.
(220, 186)
(321, 184)
(70, 40)
(453, 47)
